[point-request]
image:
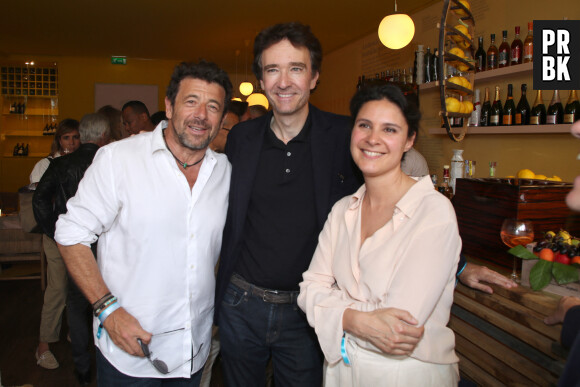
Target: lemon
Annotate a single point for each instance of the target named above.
(468, 106)
(540, 177)
(457, 52)
(525, 174)
(455, 80)
(452, 104)
(556, 178)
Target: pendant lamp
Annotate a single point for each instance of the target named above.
(396, 30)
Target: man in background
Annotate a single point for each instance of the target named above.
(136, 118)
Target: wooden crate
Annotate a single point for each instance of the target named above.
(481, 206)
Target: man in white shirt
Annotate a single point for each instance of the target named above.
(157, 202)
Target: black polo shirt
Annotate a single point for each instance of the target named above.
(281, 232)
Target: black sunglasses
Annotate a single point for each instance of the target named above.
(160, 365)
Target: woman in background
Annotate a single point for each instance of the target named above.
(392, 244)
(66, 140)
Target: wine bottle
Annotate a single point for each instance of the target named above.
(529, 44)
(480, 56)
(509, 109)
(15, 150)
(495, 115)
(13, 108)
(523, 108)
(434, 66)
(538, 114)
(25, 150)
(492, 54)
(516, 49)
(415, 69)
(555, 113)
(476, 114)
(428, 62)
(504, 51)
(485, 110)
(572, 110)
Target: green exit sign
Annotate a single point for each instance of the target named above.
(119, 60)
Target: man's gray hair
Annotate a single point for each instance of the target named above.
(93, 126)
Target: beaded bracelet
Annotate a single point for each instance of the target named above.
(101, 300)
(104, 305)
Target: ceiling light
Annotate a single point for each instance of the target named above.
(246, 88)
(396, 30)
(258, 99)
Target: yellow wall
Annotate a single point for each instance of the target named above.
(553, 154)
(77, 78)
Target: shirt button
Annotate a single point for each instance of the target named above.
(192, 267)
(287, 170)
(289, 154)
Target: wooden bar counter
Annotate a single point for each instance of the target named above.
(501, 338)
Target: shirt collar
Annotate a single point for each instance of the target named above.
(408, 203)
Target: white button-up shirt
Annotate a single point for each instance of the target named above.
(158, 246)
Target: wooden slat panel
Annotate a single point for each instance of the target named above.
(501, 352)
(491, 365)
(476, 374)
(527, 335)
(514, 310)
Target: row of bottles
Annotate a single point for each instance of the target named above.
(496, 113)
(506, 55)
(425, 66)
(20, 150)
(400, 76)
(17, 108)
(49, 129)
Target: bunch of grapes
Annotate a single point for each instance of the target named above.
(560, 247)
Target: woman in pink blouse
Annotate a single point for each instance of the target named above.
(391, 246)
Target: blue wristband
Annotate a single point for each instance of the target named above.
(343, 350)
(103, 316)
(110, 309)
(461, 271)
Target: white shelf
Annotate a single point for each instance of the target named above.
(513, 129)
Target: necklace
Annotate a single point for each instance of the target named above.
(184, 165)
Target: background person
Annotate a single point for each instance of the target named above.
(66, 140)
(136, 118)
(58, 184)
(370, 258)
(115, 122)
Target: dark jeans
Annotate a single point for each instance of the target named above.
(109, 376)
(78, 314)
(252, 330)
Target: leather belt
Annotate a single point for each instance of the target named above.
(267, 295)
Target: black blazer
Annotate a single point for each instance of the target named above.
(335, 176)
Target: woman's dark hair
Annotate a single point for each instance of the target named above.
(393, 94)
(206, 71)
(298, 34)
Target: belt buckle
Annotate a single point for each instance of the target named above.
(266, 292)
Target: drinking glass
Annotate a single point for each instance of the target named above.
(516, 232)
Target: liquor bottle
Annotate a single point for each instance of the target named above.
(359, 83)
(415, 69)
(21, 150)
(410, 76)
(529, 44)
(25, 150)
(523, 108)
(13, 108)
(538, 114)
(485, 110)
(509, 109)
(476, 114)
(480, 56)
(434, 66)
(495, 115)
(15, 150)
(428, 63)
(555, 113)
(572, 110)
(444, 188)
(420, 68)
(457, 168)
(504, 51)
(517, 49)
(492, 54)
